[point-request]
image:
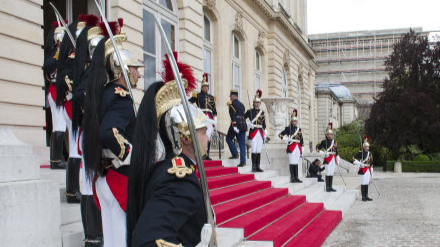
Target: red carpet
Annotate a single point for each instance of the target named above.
(266, 213)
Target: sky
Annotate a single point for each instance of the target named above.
(329, 16)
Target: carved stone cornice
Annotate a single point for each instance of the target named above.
(286, 58)
(238, 26)
(210, 4)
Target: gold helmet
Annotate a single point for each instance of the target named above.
(94, 35)
(329, 129)
(110, 56)
(366, 140)
(58, 33)
(205, 81)
(257, 98)
(294, 116)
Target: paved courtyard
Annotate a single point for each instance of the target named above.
(406, 214)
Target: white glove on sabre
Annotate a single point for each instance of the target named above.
(215, 124)
(265, 134)
(69, 96)
(236, 130)
(337, 160)
(205, 236)
(285, 139)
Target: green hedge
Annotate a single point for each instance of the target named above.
(416, 166)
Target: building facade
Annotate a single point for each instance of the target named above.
(356, 59)
(244, 45)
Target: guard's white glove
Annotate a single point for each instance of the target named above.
(285, 139)
(321, 152)
(249, 125)
(69, 96)
(236, 130)
(356, 162)
(371, 173)
(265, 135)
(338, 159)
(215, 124)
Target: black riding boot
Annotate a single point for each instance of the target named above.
(292, 174)
(56, 151)
(295, 172)
(331, 184)
(327, 183)
(72, 180)
(363, 193)
(206, 157)
(254, 162)
(92, 223)
(258, 162)
(366, 193)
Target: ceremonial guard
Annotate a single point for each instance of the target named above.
(365, 161)
(237, 128)
(206, 103)
(66, 72)
(293, 136)
(108, 126)
(51, 52)
(257, 131)
(91, 216)
(165, 200)
(331, 157)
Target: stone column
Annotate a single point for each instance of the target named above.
(29, 207)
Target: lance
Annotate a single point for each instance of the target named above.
(264, 143)
(208, 207)
(60, 19)
(118, 54)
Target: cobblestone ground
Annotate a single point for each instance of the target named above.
(406, 214)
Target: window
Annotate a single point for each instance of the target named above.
(208, 50)
(284, 86)
(257, 70)
(153, 48)
(236, 64)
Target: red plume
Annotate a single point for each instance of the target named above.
(184, 69)
(82, 17)
(259, 93)
(367, 138)
(330, 125)
(114, 26)
(295, 112)
(91, 20)
(121, 22)
(205, 77)
(55, 23)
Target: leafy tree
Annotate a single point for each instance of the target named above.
(407, 112)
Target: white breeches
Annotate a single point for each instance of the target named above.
(73, 139)
(330, 168)
(58, 123)
(113, 217)
(257, 143)
(294, 156)
(209, 130)
(365, 179)
(86, 186)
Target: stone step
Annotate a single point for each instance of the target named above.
(296, 187)
(58, 176)
(229, 237)
(255, 244)
(329, 197)
(311, 191)
(344, 202)
(70, 213)
(72, 235)
(280, 181)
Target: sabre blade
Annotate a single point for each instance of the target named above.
(66, 29)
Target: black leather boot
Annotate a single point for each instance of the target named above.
(366, 193)
(363, 193)
(73, 193)
(92, 223)
(206, 157)
(234, 156)
(292, 174)
(295, 172)
(56, 151)
(258, 162)
(327, 184)
(331, 184)
(254, 162)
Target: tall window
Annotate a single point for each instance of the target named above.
(208, 49)
(236, 63)
(153, 48)
(284, 86)
(257, 70)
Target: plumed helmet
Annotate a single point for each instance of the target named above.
(205, 81)
(366, 140)
(294, 116)
(58, 34)
(329, 129)
(257, 98)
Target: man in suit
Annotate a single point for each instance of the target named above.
(237, 128)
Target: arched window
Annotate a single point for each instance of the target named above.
(208, 49)
(236, 63)
(257, 70)
(153, 48)
(284, 86)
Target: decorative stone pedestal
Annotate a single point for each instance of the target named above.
(29, 207)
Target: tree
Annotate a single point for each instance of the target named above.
(407, 112)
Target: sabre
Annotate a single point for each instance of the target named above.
(118, 54)
(60, 19)
(264, 144)
(209, 210)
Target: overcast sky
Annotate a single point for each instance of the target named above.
(329, 16)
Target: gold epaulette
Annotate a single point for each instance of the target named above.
(229, 103)
(215, 98)
(194, 95)
(121, 92)
(163, 243)
(179, 168)
(56, 55)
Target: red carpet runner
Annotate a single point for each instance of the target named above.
(266, 213)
